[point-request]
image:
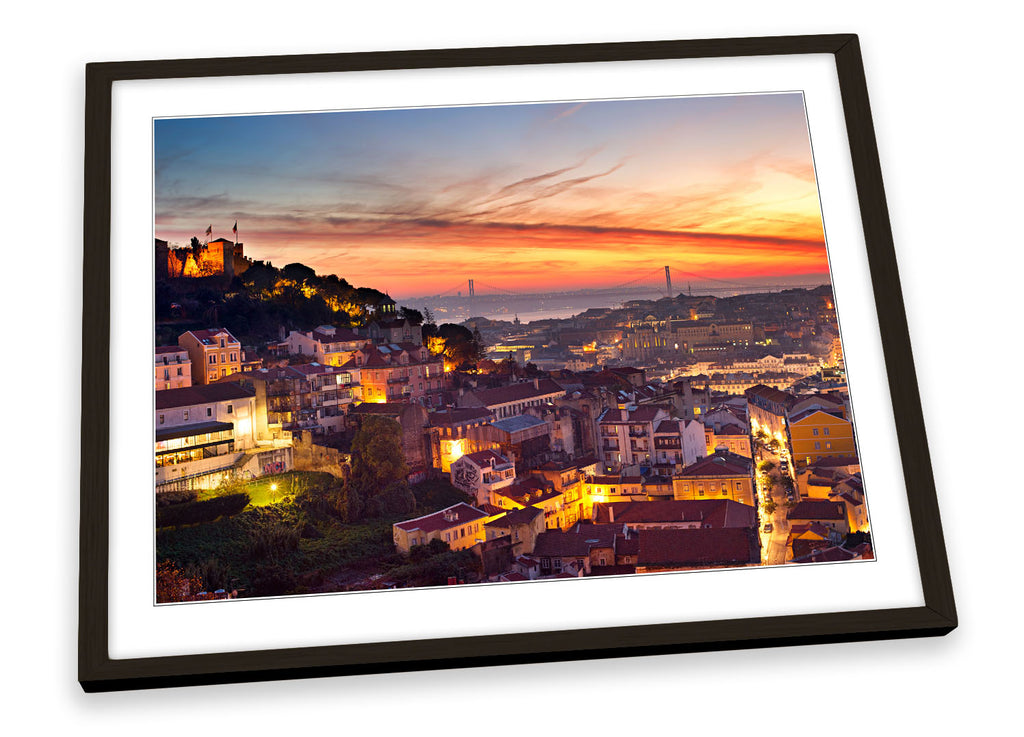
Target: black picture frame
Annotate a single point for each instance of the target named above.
(99, 672)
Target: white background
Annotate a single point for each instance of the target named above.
(942, 90)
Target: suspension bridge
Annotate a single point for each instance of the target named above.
(656, 283)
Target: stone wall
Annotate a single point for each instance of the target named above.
(308, 456)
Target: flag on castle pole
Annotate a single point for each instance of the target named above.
(209, 230)
(235, 231)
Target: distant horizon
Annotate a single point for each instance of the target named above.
(525, 197)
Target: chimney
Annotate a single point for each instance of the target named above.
(536, 384)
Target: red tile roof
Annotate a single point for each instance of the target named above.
(206, 336)
(516, 392)
(515, 517)
(201, 394)
(458, 416)
(486, 458)
(462, 513)
(170, 349)
(813, 509)
(700, 547)
(721, 464)
(714, 512)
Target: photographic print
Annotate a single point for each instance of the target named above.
(603, 343)
(487, 344)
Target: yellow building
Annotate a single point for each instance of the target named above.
(723, 475)
(532, 493)
(815, 434)
(460, 526)
(214, 354)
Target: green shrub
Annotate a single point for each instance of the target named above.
(272, 540)
(166, 498)
(190, 513)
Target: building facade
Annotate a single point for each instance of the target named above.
(173, 368)
(214, 353)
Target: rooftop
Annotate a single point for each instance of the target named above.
(457, 514)
(201, 394)
(699, 547)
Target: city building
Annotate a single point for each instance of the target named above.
(481, 473)
(830, 514)
(449, 434)
(523, 439)
(627, 436)
(214, 353)
(173, 368)
(395, 331)
(815, 434)
(678, 443)
(310, 397)
(201, 433)
(512, 400)
(328, 345)
(520, 527)
(768, 411)
(399, 373)
(691, 549)
(723, 475)
(678, 514)
(460, 526)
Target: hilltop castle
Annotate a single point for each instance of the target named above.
(218, 257)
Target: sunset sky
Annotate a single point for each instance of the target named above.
(527, 197)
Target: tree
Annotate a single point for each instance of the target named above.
(377, 458)
(298, 273)
(173, 584)
(415, 317)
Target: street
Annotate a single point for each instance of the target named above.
(773, 544)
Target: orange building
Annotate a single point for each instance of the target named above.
(214, 353)
(816, 434)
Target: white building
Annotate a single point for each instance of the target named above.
(481, 473)
(201, 434)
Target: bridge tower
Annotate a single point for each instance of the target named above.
(668, 282)
(472, 289)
